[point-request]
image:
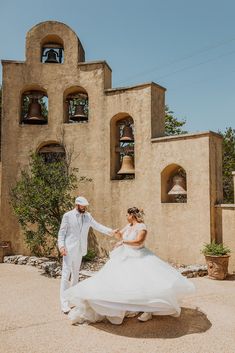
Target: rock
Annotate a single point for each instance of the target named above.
(190, 275)
(52, 267)
(23, 260)
(44, 259)
(10, 259)
(32, 260)
(49, 268)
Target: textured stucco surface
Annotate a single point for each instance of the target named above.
(228, 226)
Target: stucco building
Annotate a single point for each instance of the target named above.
(55, 99)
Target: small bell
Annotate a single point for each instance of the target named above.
(51, 57)
(79, 114)
(127, 166)
(127, 134)
(178, 186)
(34, 115)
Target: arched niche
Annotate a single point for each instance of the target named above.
(51, 152)
(76, 105)
(173, 184)
(58, 33)
(52, 50)
(122, 149)
(34, 106)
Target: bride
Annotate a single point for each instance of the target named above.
(134, 280)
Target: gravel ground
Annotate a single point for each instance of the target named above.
(31, 321)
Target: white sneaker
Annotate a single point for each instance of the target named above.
(131, 313)
(78, 321)
(145, 317)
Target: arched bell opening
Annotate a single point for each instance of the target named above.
(34, 107)
(52, 50)
(122, 147)
(173, 184)
(76, 105)
(52, 152)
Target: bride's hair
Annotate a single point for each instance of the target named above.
(137, 213)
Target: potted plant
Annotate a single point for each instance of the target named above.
(217, 257)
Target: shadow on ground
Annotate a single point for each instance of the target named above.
(190, 321)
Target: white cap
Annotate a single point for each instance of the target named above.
(82, 201)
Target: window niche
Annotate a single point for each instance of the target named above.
(122, 148)
(34, 108)
(52, 50)
(52, 152)
(173, 184)
(76, 107)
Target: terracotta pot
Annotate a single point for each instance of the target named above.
(217, 266)
(5, 249)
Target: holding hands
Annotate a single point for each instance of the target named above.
(117, 234)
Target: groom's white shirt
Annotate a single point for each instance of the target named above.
(74, 229)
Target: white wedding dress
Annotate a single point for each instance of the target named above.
(133, 280)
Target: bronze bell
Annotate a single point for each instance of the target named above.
(178, 186)
(127, 134)
(51, 57)
(127, 165)
(79, 114)
(34, 115)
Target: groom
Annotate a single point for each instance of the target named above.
(72, 243)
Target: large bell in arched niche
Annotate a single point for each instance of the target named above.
(127, 166)
(34, 109)
(52, 53)
(51, 56)
(178, 187)
(173, 184)
(77, 108)
(127, 134)
(126, 148)
(79, 114)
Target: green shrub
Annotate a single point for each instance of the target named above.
(91, 254)
(215, 249)
(40, 197)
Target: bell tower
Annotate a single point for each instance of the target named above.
(50, 42)
(34, 107)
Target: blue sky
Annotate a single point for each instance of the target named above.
(184, 45)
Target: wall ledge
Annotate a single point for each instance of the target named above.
(186, 136)
(128, 88)
(226, 205)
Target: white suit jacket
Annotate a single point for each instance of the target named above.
(74, 229)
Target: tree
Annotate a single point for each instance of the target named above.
(228, 165)
(40, 198)
(0, 102)
(173, 126)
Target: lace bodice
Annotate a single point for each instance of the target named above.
(130, 232)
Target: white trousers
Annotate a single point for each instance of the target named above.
(70, 267)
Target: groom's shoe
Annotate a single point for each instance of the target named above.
(145, 317)
(65, 309)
